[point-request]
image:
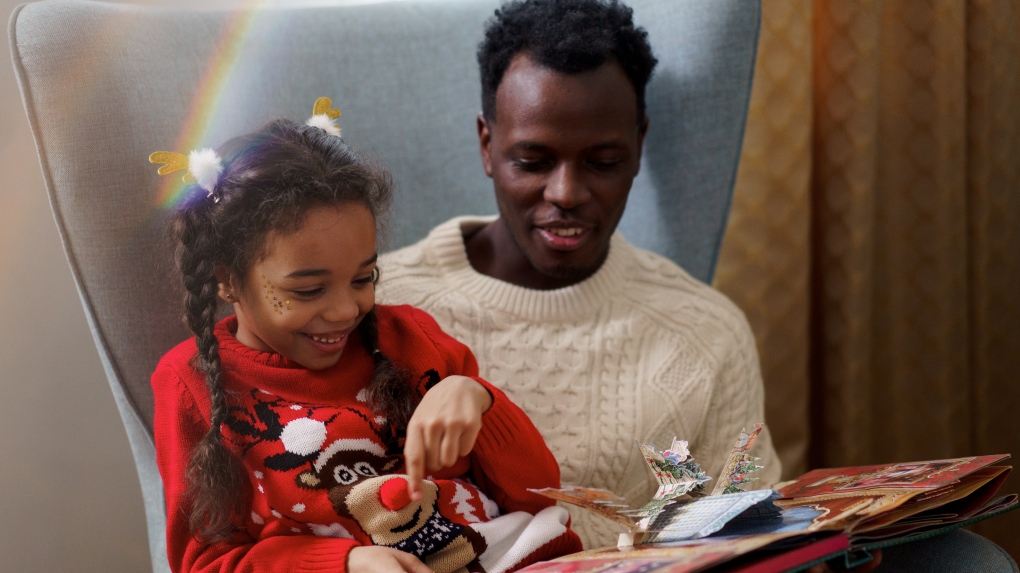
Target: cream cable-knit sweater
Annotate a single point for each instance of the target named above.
(639, 350)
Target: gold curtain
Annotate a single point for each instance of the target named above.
(874, 241)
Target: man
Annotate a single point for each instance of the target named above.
(598, 341)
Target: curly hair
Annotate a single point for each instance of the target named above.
(567, 36)
(271, 179)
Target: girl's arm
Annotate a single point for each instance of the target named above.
(443, 429)
(178, 425)
(508, 455)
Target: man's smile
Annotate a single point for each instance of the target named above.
(564, 238)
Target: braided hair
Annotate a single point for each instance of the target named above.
(271, 179)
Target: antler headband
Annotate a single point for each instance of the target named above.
(204, 166)
(323, 116)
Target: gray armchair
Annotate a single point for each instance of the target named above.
(104, 85)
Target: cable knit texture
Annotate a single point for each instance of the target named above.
(317, 462)
(639, 350)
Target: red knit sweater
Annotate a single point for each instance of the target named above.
(322, 481)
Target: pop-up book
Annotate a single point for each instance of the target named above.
(681, 507)
(827, 513)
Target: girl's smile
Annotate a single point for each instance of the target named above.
(329, 343)
(312, 287)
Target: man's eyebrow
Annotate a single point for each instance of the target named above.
(301, 273)
(534, 146)
(607, 145)
(529, 146)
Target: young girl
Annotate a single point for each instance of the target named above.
(280, 430)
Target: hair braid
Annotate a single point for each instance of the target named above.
(388, 392)
(215, 482)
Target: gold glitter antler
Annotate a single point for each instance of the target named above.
(323, 107)
(170, 163)
(323, 116)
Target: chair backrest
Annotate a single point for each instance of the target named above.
(105, 84)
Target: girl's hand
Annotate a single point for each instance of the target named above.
(376, 558)
(443, 428)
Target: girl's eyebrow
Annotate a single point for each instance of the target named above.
(321, 272)
(307, 273)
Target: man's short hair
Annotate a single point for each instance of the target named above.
(566, 36)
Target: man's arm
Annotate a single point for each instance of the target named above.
(737, 403)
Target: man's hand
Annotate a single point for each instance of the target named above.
(443, 428)
(379, 559)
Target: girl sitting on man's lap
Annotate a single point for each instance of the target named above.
(295, 434)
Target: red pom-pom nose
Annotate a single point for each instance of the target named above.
(393, 494)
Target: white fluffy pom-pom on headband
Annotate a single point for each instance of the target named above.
(205, 166)
(202, 166)
(324, 116)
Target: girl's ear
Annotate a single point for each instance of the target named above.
(226, 283)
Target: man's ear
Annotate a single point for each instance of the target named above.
(227, 285)
(485, 143)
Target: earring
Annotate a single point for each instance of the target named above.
(230, 296)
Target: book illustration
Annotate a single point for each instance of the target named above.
(600, 501)
(877, 502)
(913, 475)
(688, 556)
(943, 497)
(680, 509)
(616, 565)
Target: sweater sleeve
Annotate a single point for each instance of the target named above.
(737, 403)
(178, 425)
(510, 456)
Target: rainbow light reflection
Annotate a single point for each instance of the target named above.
(207, 98)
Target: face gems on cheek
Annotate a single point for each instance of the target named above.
(270, 290)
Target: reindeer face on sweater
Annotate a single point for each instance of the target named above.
(350, 471)
(384, 510)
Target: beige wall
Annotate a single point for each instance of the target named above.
(70, 497)
(71, 500)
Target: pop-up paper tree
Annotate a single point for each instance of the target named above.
(680, 508)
